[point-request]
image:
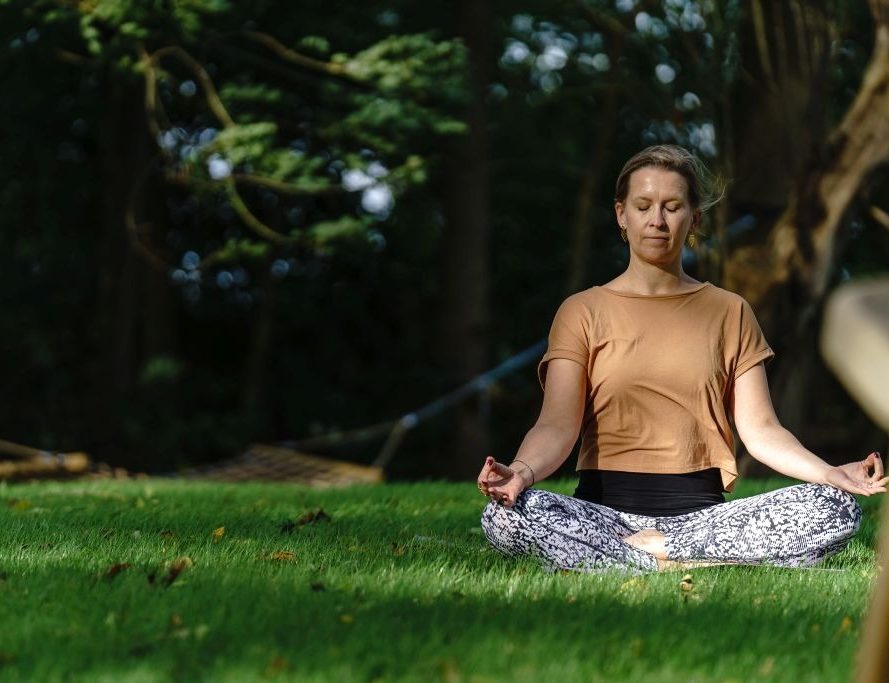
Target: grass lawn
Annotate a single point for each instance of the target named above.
(158, 580)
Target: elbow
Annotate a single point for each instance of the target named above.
(561, 435)
(758, 437)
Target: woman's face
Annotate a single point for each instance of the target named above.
(657, 215)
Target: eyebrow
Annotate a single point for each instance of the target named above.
(646, 198)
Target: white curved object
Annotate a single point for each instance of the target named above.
(855, 343)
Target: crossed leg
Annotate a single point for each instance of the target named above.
(795, 526)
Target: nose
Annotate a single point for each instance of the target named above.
(657, 217)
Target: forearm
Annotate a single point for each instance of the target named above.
(543, 450)
(780, 450)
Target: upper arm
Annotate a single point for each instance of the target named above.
(564, 396)
(752, 405)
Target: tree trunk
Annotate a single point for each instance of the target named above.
(582, 230)
(135, 315)
(262, 337)
(786, 277)
(465, 305)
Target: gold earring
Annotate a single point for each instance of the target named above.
(623, 233)
(690, 239)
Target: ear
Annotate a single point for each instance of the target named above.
(620, 213)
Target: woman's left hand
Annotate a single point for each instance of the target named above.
(864, 477)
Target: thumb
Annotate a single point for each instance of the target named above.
(503, 470)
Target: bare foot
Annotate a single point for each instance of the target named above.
(649, 540)
(653, 542)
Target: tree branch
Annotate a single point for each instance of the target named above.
(250, 220)
(293, 57)
(209, 89)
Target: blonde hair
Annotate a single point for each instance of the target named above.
(704, 189)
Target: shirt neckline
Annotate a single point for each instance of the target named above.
(632, 295)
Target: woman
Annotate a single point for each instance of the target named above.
(648, 368)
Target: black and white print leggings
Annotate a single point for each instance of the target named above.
(791, 527)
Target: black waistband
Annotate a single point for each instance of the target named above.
(655, 495)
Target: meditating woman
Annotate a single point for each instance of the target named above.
(648, 369)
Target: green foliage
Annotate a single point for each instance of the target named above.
(355, 296)
(161, 369)
(240, 250)
(327, 233)
(245, 143)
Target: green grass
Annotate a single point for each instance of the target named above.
(397, 585)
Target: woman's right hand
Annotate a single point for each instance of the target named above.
(500, 483)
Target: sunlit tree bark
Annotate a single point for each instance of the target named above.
(786, 276)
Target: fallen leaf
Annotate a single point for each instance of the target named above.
(397, 550)
(284, 555)
(276, 666)
(313, 516)
(175, 620)
(167, 533)
(175, 568)
(116, 569)
(767, 666)
(18, 504)
(347, 618)
(218, 533)
(845, 625)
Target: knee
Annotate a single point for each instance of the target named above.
(507, 529)
(839, 509)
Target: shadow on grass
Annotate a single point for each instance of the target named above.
(619, 628)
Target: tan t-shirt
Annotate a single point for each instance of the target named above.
(660, 372)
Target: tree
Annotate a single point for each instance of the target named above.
(227, 159)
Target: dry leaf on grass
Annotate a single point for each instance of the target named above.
(309, 517)
(281, 556)
(174, 569)
(276, 666)
(218, 533)
(116, 569)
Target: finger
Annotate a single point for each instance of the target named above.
(503, 470)
(870, 488)
(486, 469)
(878, 465)
(867, 466)
(854, 487)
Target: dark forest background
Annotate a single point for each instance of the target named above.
(226, 222)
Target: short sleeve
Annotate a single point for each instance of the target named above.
(752, 345)
(568, 337)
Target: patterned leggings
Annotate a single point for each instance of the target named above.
(791, 527)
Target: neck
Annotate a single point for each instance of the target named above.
(649, 278)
